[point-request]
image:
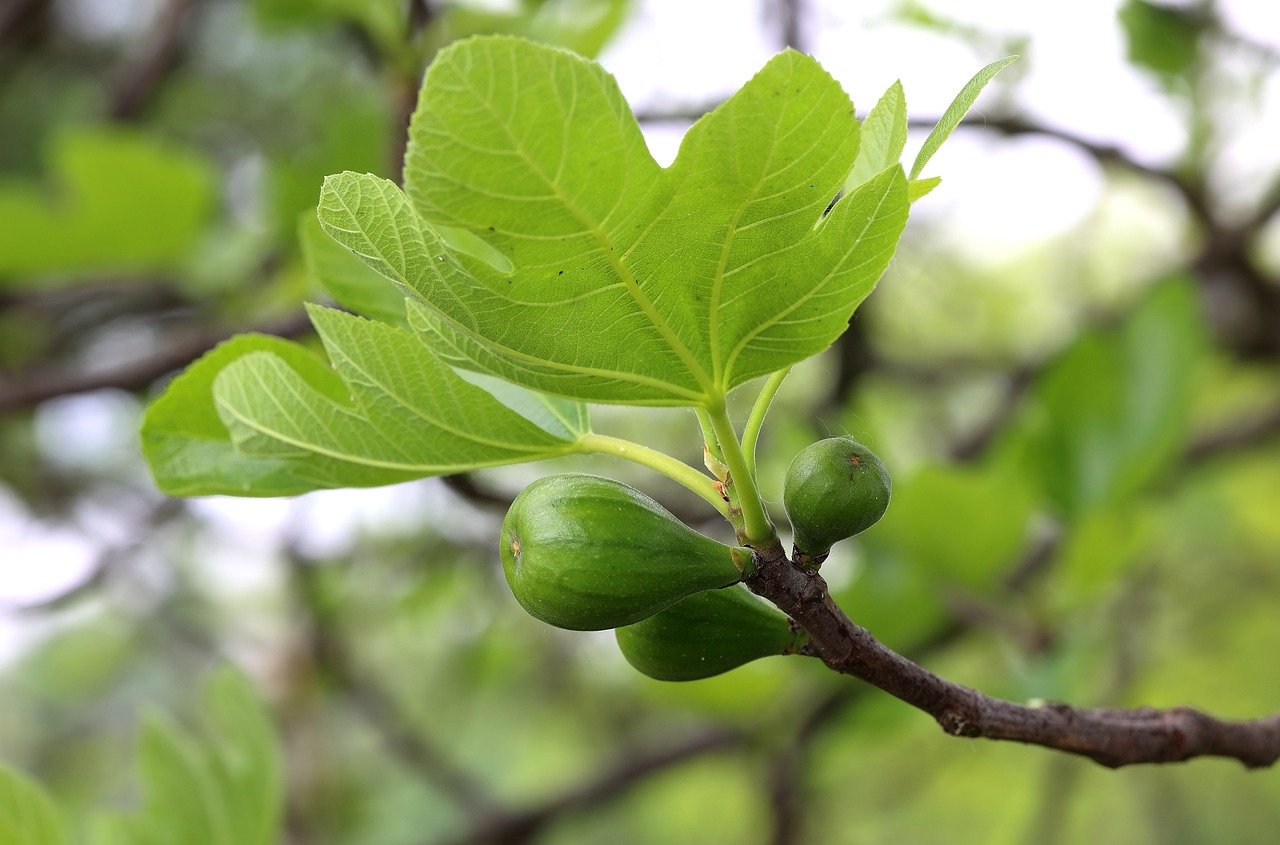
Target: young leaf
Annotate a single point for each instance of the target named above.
(27, 815)
(188, 448)
(918, 188)
(629, 284)
(884, 134)
(956, 111)
(407, 416)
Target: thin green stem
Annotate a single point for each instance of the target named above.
(708, 433)
(755, 422)
(756, 528)
(677, 471)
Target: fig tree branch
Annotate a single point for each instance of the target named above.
(786, 773)
(1111, 737)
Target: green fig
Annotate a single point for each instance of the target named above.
(834, 489)
(588, 553)
(706, 634)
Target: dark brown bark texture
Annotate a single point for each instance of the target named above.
(1111, 737)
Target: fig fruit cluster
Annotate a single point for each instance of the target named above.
(588, 554)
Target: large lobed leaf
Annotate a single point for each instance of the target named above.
(542, 257)
(616, 280)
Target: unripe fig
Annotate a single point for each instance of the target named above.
(834, 489)
(707, 634)
(588, 553)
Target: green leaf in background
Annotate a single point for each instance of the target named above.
(956, 111)
(978, 523)
(630, 284)
(348, 280)
(27, 815)
(884, 134)
(123, 203)
(188, 448)
(246, 760)
(407, 415)
(384, 21)
(1102, 545)
(1162, 39)
(222, 788)
(1112, 414)
(583, 26)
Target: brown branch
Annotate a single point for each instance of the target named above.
(19, 18)
(106, 562)
(464, 486)
(1111, 737)
(977, 442)
(43, 384)
(608, 785)
(790, 18)
(1246, 435)
(139, 82)
(787, 773)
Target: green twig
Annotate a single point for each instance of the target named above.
(756, 528)
(755, 422)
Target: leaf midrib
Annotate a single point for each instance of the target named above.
(490, 343)
(420, 414)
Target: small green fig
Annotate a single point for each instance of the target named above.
(834, 489)
(706, 634)
(588, 553)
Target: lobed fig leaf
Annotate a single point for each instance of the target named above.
(834, 489)
(588, 553)
(707, 634)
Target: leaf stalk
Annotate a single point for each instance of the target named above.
(755, 422)
(672, 468)
(756, 528)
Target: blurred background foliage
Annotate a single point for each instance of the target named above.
(1072, 369)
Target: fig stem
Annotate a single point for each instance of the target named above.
(676, 470)
(756, 528)
(755, 422)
